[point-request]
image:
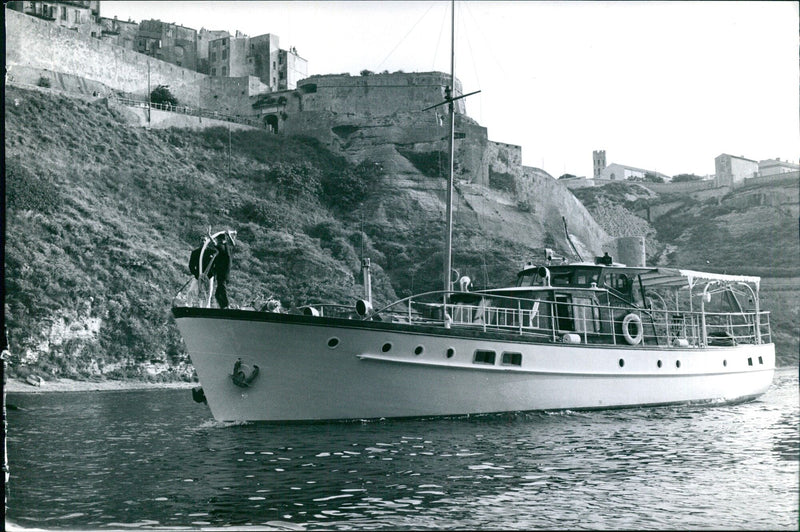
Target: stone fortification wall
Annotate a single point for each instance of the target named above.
(230, 96)
(504, 163)
(77, 85)
(680, 187)
(74, 63)
(38, 44)
(790, 178)
(378, 94)
(165, 119)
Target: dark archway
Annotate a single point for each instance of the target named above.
(271, 121)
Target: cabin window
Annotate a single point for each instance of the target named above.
(483, 356)
(619, 282)
(561, 278)
(586, 277)
(512, 359)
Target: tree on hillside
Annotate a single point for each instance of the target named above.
(161, 94)
(682, 178)
(566, 176)
(650, 177)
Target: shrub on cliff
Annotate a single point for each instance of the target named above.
(347, 189)
(162, 94)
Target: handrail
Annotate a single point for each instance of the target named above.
(184, 109)
(551, 320)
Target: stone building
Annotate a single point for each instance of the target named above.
(598, 162)
(204, 38)
(622, 172)
(731, 170)
(776, 167)
(168, 42)
(291, 69)
(80, 16)
(259, 56)
(119, 32)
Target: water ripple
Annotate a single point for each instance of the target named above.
(154, 460)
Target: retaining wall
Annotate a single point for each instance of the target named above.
(35, 43)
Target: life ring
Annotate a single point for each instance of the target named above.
(626, 329)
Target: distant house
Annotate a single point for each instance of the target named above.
(168, 42)
(80, 16)
(620, 172)
(776, 167)
(204, 38)
(119, 32)
(732, 170)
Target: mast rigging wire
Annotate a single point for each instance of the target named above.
(404, 38)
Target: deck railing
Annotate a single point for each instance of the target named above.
(572, 322)
(592, 323)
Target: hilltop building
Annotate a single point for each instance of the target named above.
(80, 16)
(168, 42)
(212, 52)
(204, 38)
(620, 172)
(731, 170)
(776, 167)
(119, 32)
(259, 56)
(598, 162)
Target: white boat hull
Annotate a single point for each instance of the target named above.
(303, 378)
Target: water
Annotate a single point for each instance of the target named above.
(155, 459)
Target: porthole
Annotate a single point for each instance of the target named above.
(725, 363)
(418, 350)
(386, 347)
(450, 352)
(677, 363)
(333, 342)
(621, 362)
(658, 364)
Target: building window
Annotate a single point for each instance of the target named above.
(213, 56)
(224, 54)
(224, 71)
(273, 64)
(63, 13)
(213, 71)
(483, 356)
(77, 17)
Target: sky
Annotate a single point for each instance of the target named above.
(665, 86)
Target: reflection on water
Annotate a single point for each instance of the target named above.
(154, 459)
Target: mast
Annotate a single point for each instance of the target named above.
(449, 97)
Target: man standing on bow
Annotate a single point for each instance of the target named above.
(222, 267)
